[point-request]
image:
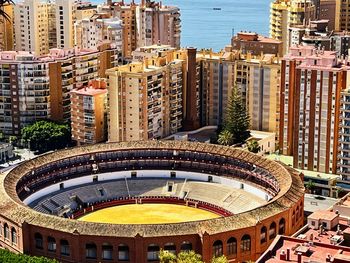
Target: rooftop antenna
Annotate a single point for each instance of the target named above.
(233, 31)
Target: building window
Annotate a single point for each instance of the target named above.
(123, 252)
(51, 244)
(186, 246)
(14, 236)
(6, 231)
(65, 247)
(38, 241)
(217, 248)
(272, 231)
(245, 243)
(91, 251)
(153, 252)
(232, 246)
(107, 251)
(170, 247)
(282, 227)
(263, 235)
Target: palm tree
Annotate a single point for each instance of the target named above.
(253, 146)
(225, 138)
(2, 11)
(310, 185)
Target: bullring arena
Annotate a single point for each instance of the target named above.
(123, 202)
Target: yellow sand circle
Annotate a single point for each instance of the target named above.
(148, 214)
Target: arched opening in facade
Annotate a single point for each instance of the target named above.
(13, 236)
(217, 248)
(272, 231)
(263, 235)
(38, 238)
(123, 252)
(171, 247)
(153, 252)
(51, 244)
(232, 246)
(282, 226)
(245, 244)
(107, 251)
(186, 246)
(91, 251)
(65, 250)
(6, 231)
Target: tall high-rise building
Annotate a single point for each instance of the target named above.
(64, 23)
(145, 99)
(146, 24)
(287, 13)
(312, 82)
(99, 28)
(6, 29)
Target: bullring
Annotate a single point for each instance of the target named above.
(41, 199)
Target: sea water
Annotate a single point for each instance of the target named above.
(204, 26)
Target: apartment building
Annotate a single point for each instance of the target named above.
(88, 113)
(312, 82)
(6, 29)
(64, 23)
(38, 87)
(25, 91)
(255, 44)
(287, 13)
(99, 28)
(145, 99)
(146, 23)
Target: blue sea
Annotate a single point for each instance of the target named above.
(204, 27)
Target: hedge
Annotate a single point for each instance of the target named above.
(9, 257)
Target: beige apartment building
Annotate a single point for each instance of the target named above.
(145, 99)
(287, 13)
(88, 113)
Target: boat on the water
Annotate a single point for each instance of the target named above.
(217, 8)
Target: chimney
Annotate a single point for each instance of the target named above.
(288, 254)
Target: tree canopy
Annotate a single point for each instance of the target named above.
(237, 120)
(9, 257)
(253, 146)
(186, 257)
(44, 136)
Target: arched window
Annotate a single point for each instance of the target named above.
(153, 252)
(186, 246)
(14, 236)
(51, 244)
(232, 246)
(6, 231)
(123, 252)
(170, 247)
(293, 218)
(297, 215)
(91, 251)
(0, 229)
(245, 243)
(272, 231)
(301, 210)
(107, 251)
(217, 248)
(65, 251)
(38, 241)
(263, 235)
(282, 226)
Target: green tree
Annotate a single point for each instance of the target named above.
(253, 146)
(237, 119)
(189, 257)
(310, 185)
(2, 136)
(13, 139)
(221, 259)
(2, 11)
(9, 257)
(225, 138)
(44, 136)
(167, 257)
